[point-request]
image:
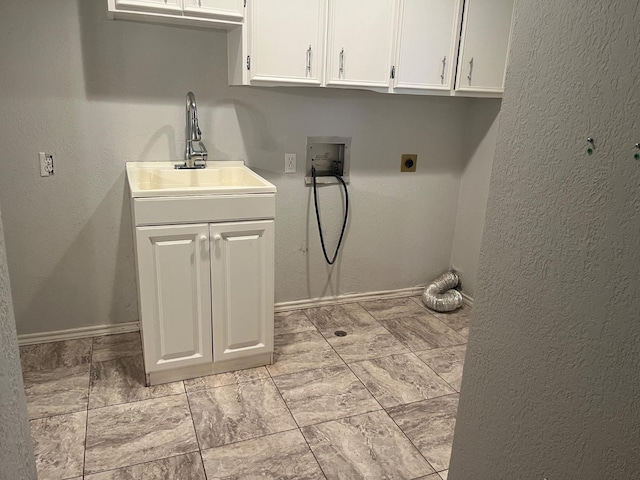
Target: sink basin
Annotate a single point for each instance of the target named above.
(161, 179)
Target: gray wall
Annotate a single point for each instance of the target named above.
(550, 387)
(16, 450)
(98, 93)
(481, 137)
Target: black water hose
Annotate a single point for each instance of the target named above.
(344, 223)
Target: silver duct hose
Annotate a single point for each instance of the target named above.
(439, 294)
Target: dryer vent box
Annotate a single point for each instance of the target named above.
(329, 156)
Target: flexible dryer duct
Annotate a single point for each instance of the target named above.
(439, 294)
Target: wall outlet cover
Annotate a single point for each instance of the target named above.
(289, 163)
(46, 164)
(408, 162)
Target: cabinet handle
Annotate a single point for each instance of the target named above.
(204, 242)
(309, 60)
(470, 69)
(341, 64)
(444, 64)
(217, 237)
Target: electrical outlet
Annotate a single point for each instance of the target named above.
(46, 164)
(289, 163)
(408, 163)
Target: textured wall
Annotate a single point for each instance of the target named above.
(550, 387)
(16, 450)
(98, 93)
(482, 131)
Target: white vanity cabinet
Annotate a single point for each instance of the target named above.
(486, 32)
(285, 41)
(205, 294)
(204, 243)
(360, 43)
(427, 45)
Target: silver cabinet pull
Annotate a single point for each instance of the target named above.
(309, 60)
(444, 64)
(341, 64)
(470, 69)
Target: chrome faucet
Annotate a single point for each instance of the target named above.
(193, 134)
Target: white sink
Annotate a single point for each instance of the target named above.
(162, 179)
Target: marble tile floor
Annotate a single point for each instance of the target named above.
(379, 403)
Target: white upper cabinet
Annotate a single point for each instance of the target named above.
(233, 9)
(400, 46)
(427, 44)
(486, 32)
(360, 42)
(166, 6)
(286, 41)
(201, 13)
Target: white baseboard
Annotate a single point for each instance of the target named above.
(82, 332)
(467, 299)
(98, 330)
(348, 298)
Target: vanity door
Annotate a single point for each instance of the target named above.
(242, 283)
(175, 295)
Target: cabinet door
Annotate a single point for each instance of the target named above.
(230, 9)
(287, 40)
(427, 44)
(175, 295)
(160, 6)
(242, 282)
(486, 32)
(360, 42)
